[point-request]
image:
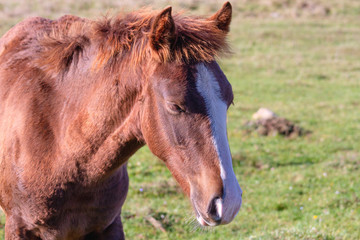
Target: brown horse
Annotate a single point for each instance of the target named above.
(79, 97)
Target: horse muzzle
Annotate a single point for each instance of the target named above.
(220, 210)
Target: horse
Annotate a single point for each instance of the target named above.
(79, 97)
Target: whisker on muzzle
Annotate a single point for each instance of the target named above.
(195, 226)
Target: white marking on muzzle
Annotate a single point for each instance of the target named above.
(209, 88)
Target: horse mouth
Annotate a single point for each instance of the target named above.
(203, 221)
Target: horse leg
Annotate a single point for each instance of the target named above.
(14, 230)
(113, 232)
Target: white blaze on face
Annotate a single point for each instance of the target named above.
(216, 107)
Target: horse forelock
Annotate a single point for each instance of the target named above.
(125, 38)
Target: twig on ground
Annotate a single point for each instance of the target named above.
(155, 223)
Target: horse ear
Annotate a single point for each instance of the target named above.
(163, 31)
(222, 18)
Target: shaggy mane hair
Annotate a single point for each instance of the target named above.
(196, 39)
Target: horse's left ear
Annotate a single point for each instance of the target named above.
(222, 17)
(163, 33)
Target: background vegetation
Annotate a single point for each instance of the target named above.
(300, 58)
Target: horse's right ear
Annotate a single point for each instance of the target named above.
(162, 34)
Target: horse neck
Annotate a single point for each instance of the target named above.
(107, 110)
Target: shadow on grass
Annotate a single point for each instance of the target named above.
(242, 160)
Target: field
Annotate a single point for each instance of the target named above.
(302, 60)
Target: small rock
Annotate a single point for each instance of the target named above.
(263, 114)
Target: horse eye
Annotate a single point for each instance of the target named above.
(174, 108)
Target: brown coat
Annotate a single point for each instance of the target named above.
(74, 96)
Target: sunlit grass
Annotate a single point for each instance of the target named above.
(304, 69)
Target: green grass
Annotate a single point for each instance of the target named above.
(306, 69)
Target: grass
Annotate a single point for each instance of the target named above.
(304, 67)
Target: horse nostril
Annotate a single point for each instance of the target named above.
(214, 209)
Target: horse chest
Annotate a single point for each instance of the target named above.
(80, 210)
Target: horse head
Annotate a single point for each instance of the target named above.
(183, 119)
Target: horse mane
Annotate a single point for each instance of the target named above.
(196, 39)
